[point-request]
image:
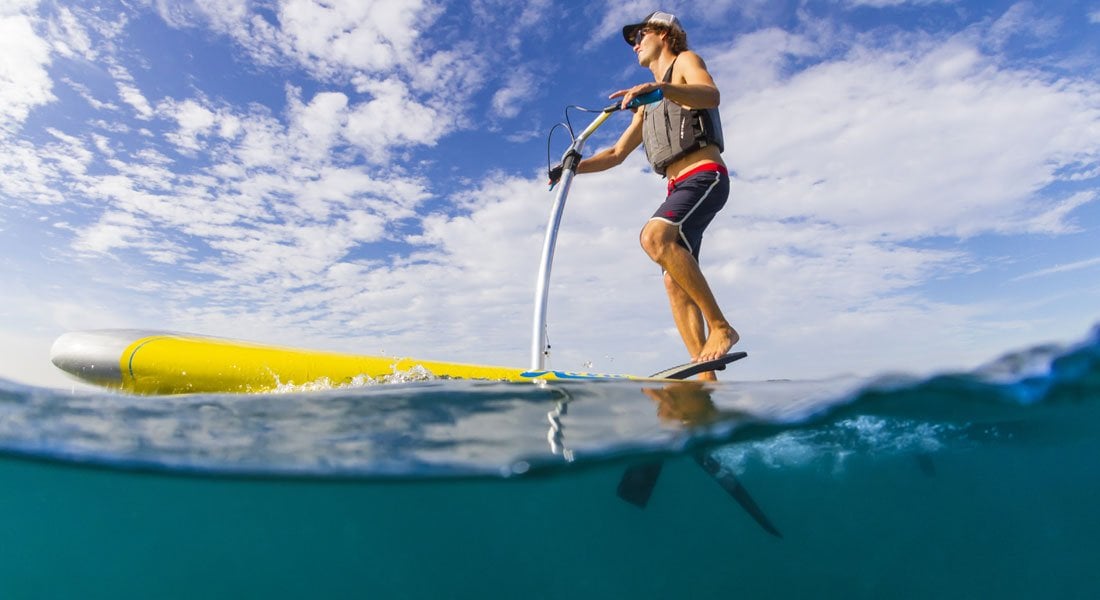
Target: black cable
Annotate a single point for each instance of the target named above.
(550, 136)
(568, 127)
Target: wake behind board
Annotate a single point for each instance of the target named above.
(157, 362)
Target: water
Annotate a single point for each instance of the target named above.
(976, 485)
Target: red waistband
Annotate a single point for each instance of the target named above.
(711, 166)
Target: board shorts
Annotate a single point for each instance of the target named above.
(693, 200)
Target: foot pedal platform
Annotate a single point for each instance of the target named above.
(688, 369)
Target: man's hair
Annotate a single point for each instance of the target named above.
(677, 38)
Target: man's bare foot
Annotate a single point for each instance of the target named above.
(718, 343)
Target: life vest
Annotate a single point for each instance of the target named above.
(671, 132)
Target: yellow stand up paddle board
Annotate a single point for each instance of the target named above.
(157, 362)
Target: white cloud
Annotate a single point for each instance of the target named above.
(1022, 19)
(932, 140)
(1054, 218)
(512, 24)
(194, 120)
(332, 39)
(70, 156)
(89, 97)
(113, 231)
(30, 172)
(375, 37)
(1066, 268)
(508, 101)
(280, 203)
(316, 128)
(376, 46)
(24, 80)
(891, 3)
(759, 60)
(129, 92)
(371, 125)
(69, 37)
(17, 7)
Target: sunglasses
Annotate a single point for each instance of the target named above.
(638, 35)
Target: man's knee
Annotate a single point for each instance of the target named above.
(657, 238)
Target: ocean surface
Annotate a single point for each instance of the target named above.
(981, 484)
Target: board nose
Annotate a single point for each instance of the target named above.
(93, 355)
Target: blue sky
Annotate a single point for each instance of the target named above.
(916, 180)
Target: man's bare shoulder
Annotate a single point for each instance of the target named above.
(690, 68)
(690, 59)
(688, 62)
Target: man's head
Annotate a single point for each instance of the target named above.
(659, 23)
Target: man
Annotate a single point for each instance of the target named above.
(682, 135)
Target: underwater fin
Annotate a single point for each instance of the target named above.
(638, 481)
(636, 485)
(737, 491)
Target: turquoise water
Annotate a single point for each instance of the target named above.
(973, 485)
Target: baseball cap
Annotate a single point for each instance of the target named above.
(656, 18)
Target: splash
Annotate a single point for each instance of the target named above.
(415, 374)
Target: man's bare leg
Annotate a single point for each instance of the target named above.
(689, 322)
(660, 241)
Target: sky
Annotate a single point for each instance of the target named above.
(915, 182)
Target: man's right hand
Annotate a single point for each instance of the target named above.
(555, 175)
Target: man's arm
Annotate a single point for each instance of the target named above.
(696, 88)
(615, 155)
(691, 86)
